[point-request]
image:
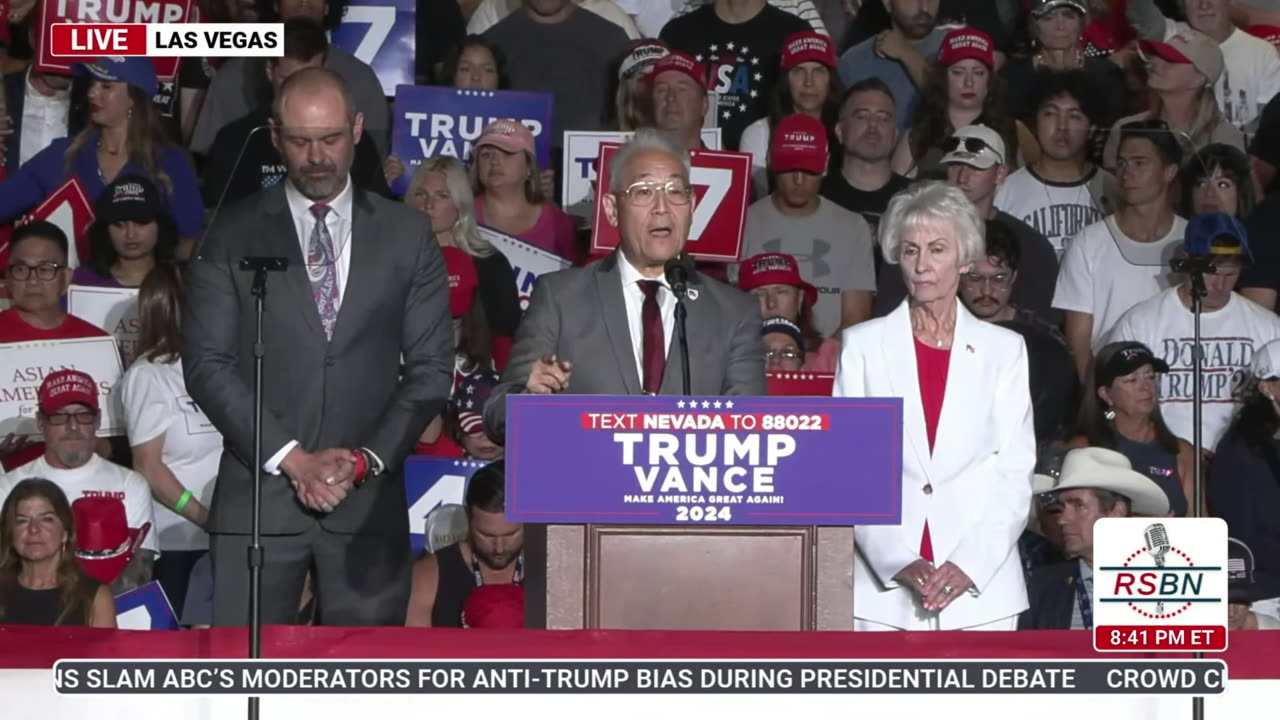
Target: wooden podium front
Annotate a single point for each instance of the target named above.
(639, 577)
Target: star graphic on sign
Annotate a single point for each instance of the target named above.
(715, 48)
(742, 108)
(728, 404)
(758, 76)
(730, 46)
(726, 114)
(755, 61)
(717, 404)
(706, 404)
(743, 48)
(680, 404)
(753, 93)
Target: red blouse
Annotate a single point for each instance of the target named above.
(931, 372)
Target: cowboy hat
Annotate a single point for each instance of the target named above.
(1102, 469)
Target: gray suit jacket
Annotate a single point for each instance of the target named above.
(348, 392)
(579, 315)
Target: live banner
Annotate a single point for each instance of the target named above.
(430, 485)
(722, 192)
(580, 153)
(527, 261)
(24, 365)
(380, 33)
(799, 383)
(145, 608)
(672, 460)
(108, 11)
(112, 309)
(70, 208)
(431, 121)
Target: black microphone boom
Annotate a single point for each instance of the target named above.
(678, 270)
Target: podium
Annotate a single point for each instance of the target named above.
(648, 513)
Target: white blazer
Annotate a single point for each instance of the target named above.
(979, 472)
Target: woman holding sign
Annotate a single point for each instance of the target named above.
(968, 439)
(124, 136)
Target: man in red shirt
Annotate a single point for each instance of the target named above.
(37, 279)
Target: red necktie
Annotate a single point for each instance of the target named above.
(654, 351)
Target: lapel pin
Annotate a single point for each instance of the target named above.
(968, 348)
(692, 293)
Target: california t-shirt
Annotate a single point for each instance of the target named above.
(156, 404)
(1105, 272)
(1229, 337)
(96, 478)
(1056, 210)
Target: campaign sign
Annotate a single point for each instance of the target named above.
(722, 192)
(799, 384)
(674, 460)
(430, 121)
(580, 153)
(1160, 585)
(145, 608)
(108, 11)
(430, 482)
(112, 309)
(69, 208)
(380, 33)
(528, 261)
(24, 365)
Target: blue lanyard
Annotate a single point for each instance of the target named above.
(1082, 599)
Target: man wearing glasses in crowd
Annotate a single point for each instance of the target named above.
(608, 328)
(37, 279)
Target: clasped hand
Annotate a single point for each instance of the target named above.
(322, 479)
(549, 375)
(935, 586)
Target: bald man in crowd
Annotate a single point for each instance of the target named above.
(365, 283)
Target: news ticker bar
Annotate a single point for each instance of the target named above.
(660, 677)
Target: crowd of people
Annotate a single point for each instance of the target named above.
(973, 206)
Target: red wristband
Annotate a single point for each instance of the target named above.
(361, 468)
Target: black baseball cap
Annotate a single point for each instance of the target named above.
(1117, 359)
(131, 197)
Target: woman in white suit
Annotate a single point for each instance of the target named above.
(968, 441)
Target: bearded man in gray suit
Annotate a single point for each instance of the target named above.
(366, 286)
(609, 328)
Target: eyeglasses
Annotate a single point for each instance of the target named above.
(44, 271)
(975, 279)
(643, 193)
(783, 354)
(84, 417)
(971, 144)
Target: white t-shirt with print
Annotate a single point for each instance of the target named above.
(1229, 337)
(156, 403)
(1105, 272)
(1250, 76)
(1056, 210)
(97, 478)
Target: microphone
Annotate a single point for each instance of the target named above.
(678, 270)
(264, 264)
(1157, 539)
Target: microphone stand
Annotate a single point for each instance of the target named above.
(1198, 292)
(260, 268)
(682, 315)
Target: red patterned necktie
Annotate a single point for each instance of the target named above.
(654, 351)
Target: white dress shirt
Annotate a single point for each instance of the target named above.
(633, 296)
(44, 119)
(338, 220)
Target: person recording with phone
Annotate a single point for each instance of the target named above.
(610, 327)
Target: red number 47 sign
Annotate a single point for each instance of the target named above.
(722, 192)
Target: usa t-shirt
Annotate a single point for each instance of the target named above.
(156, 404)
(1105, 272)
(1056, 210)
(1229, 337)
(96, 478)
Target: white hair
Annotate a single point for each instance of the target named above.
(646, 139)
(929, 203)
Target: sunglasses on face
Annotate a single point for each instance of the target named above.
(970, 144)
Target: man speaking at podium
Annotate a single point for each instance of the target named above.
(365, 284)
(609, 328)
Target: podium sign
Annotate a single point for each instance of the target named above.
(799, 384)
(145, 608)
(642, 460)
(430, 482)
